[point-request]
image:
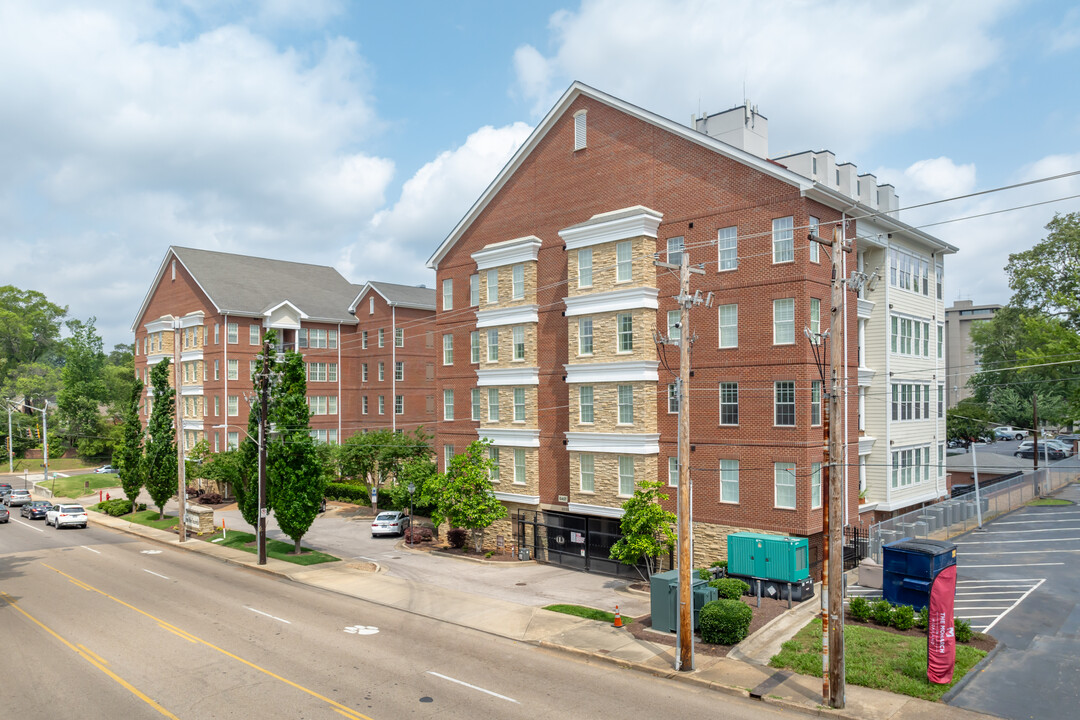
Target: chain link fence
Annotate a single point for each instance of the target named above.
(949, 518)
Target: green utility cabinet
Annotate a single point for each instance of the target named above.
(772, 557)
(664, 599)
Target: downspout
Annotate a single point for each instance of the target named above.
(393, 366)
(225, 373)
(845, 391)
(938, 439)
(340, 372)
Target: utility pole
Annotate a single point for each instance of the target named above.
(685, 659)
(264, 398)
(11, 450)
(1035, 447)
(45, 440)
(181, 474)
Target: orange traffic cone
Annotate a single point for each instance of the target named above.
(618, 617)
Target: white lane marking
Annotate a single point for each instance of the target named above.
(1017, 552)
(1011, 542)
(90, 549)
(150, 552)
(473, 687)
(1027, 522)
(1025, 532)
(29, 526)
(154, 573)
(965, 617)
(977, 565)
(1002, 580)
(984, 594)
(364, 557)
(268, 615)
(1018, 601)
(362, 629)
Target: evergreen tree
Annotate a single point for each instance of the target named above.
(246, 486)
(294, 465)
(129, 456)
(161, 468)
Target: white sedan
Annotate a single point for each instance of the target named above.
(391, 522)
(60, 515)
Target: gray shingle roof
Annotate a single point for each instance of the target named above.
(401, 295)
(244, 284)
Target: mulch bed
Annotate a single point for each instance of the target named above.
(641, 628)
(461, 552)
(980, 641)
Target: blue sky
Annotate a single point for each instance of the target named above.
(357, 134)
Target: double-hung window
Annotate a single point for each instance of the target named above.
(675, 250)
(382, 371)
(448, 404)
(382, 337)
(493, 286)
(233, 368)
(674, 326)
(815, 402)
(784, 403)
(784, 321)
(448, 294)
(783, 240)
(729, 326)
(474, 346)
(584, 267)
(399, 404)
(584, 326)
(232, 334)
(447, 349)
(673, 472)
(625, 323)
(519, 404)
(585, 403)
(815, 485)
(477, 403)
(399, 337)
(727, 242)
(626, 475)
(815, 229)
(519, 342)
(587, 468)
(623, 261)
(672, 398)
(815, 318)
(729, 481)
(493, 455)
(493, 404)
(784, 484)
(517, 284)
(474, 290)
(399, 371)
(729, 403)
(493, 345)
(626, 404)
(519, 466)
(253, 335)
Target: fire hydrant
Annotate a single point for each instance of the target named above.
(107, 498)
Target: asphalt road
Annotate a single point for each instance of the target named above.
(98, 624)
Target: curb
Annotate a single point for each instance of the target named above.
(970, 675)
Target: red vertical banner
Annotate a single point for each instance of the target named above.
(940, 638)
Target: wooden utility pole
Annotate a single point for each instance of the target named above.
(264, 399)
(834, 510)
(181, 474)
(1035, 446)
(686, 596)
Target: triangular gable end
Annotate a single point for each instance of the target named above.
(284, 315)
(170, 253)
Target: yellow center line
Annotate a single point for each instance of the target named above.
(343, 709)
(93, 654)
(92, 659)
(178, 633)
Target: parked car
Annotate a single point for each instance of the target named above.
(1068, 438)
(1007, 432)
(60, 515)
(107, 469)
(391, 522)
(18, 497)
(1053, 444)
(35, 510)
(4, 514)
(1051, 452)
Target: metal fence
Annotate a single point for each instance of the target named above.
(957, 515)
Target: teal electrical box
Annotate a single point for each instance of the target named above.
(773, 557)
(664, 599)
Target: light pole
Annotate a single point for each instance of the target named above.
(412, 536)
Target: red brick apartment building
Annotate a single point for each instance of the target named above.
(222, 305)
(549, 302)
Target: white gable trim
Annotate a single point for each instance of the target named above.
(170, 253)
(607, 227)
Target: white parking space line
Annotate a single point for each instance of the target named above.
(1018, 601)
(997, 582)
(1029, 522)
(90, 549)
(1025, 532)
(980, 565)
(154, 573)
(984, 594)
(965, 543)
(268, 615)
(28, 525)
(473, 687)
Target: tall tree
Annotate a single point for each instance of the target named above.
(377, 457)
(129, 458)
(294, 466)
(246, 488)
(83, 391)
(646, 529)
(30, 344)
(1047, 277)
(464, 497)
(969, 419)
(119, 375)
(161, 468)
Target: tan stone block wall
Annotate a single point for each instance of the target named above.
(506, 408)
(506, 483)
(710, 541)
(506, 347)
(606, 478)
(506, 287)
(606, 339)
(606, 408)
(643, 271)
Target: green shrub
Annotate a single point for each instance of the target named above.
(903, 617)
(725, 622)
(859, 609)
(722, 564)
(730, 588)
(922, 620)
(881, 611)
(963, 631)
(456, 537)
(345, 492)
(116, 508)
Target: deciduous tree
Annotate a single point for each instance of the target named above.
(1047, 277)
(646, 529)
(463, 496)
(82, 390)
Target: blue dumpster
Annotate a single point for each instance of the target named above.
(909, 567)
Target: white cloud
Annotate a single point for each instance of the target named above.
(838, 74)
(401, 238)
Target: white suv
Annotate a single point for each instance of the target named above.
(1006, 432)
(60, 515)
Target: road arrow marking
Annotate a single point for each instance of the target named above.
(362, 629)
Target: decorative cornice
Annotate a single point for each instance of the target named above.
(194, 319)
(628, 371)
(866, 445)
(511, 437)
(189, 355)
(599, 510)
(508, 252)
(866, 376)
(866, 308)
(515, 315)
(630, 298)
(496, 377)
(617, 443)
(631, 222)
(162, 324)
(517, 498)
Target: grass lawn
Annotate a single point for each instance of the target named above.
(588, 613)
(1049, 501)
(876, 659)
(61, 464)
(72, 487)
(146, 517)
(274, 548)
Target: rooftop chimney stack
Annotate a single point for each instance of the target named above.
(742, 127)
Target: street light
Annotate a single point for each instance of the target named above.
(412, 534)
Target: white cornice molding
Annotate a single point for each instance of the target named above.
(510, 437)
(496, 377)
(631, 298)
(866, 377)
(516, 315)
(162, 324)
(191, 390)
(631, 222)
(194, 319)
(508, 252)
(598, 510)
(628, 371)
(908, 501)
(517, 498)
(866, 445)
(617, 443)
(189, 355)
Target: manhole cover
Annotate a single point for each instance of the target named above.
(396, 557)
(521, 584)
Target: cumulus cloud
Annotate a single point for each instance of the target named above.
(432, 202)
(840, 74)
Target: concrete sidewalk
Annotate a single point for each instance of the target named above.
(588, 639)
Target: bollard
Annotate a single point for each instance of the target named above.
(99, 497)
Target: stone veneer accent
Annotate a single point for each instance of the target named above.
(606, 338)
(506, 408)
(710, 541)
(506, 287)
(506, 347)
(642, 273)
(606, 478)
(606, 408)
